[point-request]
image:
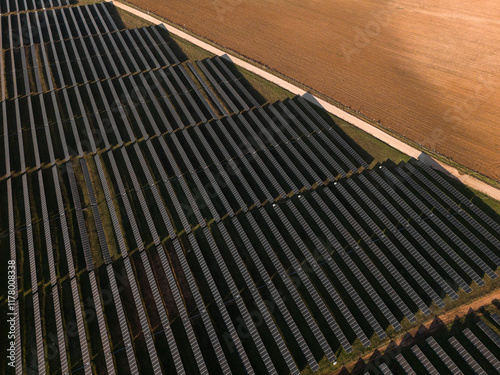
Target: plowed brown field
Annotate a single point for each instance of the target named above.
(426, 69)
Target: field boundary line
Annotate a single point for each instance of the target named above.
(381, 135)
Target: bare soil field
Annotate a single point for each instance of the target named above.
(428, 70)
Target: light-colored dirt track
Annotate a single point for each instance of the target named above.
(426, 69)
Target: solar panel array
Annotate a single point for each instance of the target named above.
(187, 227)
(468, 352)
(12, 6)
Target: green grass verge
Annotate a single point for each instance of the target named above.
(491, 202)
(192, 51)
(130, 20)
(87, 2)
(379, 150)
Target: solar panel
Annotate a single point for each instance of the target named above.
(177, 98)
(195, 89)
(153, 356)
(208, 90)
(337, 271)
(38, 333)
(140, 51)
(311, 138)
(80, 60)
(422, 261)
(33, 268)
(213, 182)
(267, 152)
(272, 161)
(165, 45)
(277, 299)
(13, 64)
(258, 300)
(437, 238)
(402, 240)
(234, 167)
(443, 356)
(450, 218)
(332, 131)
(385, 369)
(380, 255)
(247, 144)
(102, 324)
(263, 132)
(80, 218)
(237, 82)
(187, 94)
(488, 220)
(489, 332)
(87, 15)
(428, 248)
(81, 327)
(163, 61)
(138, 303)
(463, 214)
(482, 348)
(219, 301)
(338, 153)
(106, 67)
(59, 329)
(199, 185)
(219, 89)
(295, 144)
(191, 282)
(324, 280)
(167, 100)
(52, 271)
(374, 295)
(297, 299)
(226, 181)
(228, 85)
(114, 289)
(27, 86)
(466, 356)
(90, 264)
(11, 224)
(250, 325)
(496, 318)
(424, 360)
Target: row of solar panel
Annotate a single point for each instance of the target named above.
(85, 358)
(11, 6)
